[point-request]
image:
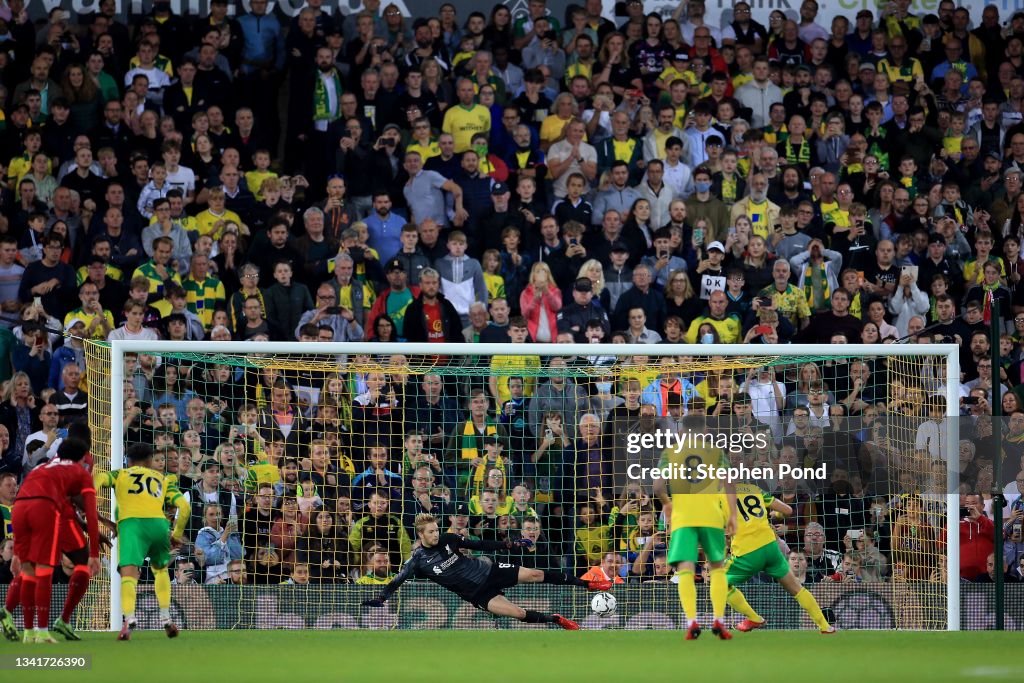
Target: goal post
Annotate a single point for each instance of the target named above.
(907, 376)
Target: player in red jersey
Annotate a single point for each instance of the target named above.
(42, 530)
(72, 544)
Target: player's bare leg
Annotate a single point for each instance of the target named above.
(501, 606)
(560, 579)
(807, 602)
(719, 591)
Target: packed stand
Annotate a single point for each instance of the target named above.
(538, 179)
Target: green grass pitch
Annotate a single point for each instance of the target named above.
(533, 657)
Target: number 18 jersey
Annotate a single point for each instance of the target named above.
(753, 528)
(140, 492)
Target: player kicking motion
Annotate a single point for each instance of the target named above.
(694, 504)
(756, 549)
(478, 580)
(44, 526)
(143, 531)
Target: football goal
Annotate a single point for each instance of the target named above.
(305, 465)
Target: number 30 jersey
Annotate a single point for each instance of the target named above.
(753, 528)
(141, 493)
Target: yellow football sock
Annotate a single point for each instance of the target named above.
(162, 588)
(812, 608)
(738, 602)
(688, 595)
(128, 587)
(719, 591)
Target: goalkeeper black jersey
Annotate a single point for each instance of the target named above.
(446, 566)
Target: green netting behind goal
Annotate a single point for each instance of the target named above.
(319, 462)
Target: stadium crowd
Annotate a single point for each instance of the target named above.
(542, 179)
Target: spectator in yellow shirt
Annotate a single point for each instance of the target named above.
(254, 179)
(98, 321)
(212, 221)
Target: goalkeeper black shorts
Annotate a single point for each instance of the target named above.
(503, 575)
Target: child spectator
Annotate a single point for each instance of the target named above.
(30, 246)
(491, 264)
(462, 277)
(540, 303)
(261, 172)
(954, 135)
(156, 188)
(515, 265)
(574, 207)
(214, 220)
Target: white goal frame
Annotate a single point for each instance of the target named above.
(950, 352)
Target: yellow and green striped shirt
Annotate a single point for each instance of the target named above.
(156, 283)
(202, 297)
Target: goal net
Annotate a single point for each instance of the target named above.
(305, 466)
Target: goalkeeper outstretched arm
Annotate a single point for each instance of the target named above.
(407, 572)
(471, 544)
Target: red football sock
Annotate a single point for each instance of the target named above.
(44, 590)
(77, 585)
(28, 600)
(13, 595)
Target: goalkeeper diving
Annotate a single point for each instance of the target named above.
(478, 580)
(755, 549)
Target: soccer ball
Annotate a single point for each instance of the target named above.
(603, 604)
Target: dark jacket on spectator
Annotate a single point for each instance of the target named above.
(653, 302)
(285, 305)
(36, 367)
(824, 325)
(415, 326)
(429, 418)
(314, 549)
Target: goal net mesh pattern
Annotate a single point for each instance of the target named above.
(305, 471)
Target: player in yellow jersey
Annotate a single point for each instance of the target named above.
(755, 549)
(143, 531)
(694, 500)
